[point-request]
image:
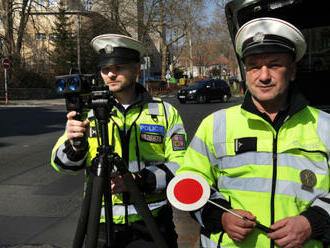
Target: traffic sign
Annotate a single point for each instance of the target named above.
(5, 64)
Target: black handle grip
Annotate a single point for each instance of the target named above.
(264, 228)
(260, 226)
(80, 142)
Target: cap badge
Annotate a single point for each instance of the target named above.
(259, 37)
(108, 49)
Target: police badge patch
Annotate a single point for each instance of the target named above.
(308, 180)
(152, 138)
(178, 142)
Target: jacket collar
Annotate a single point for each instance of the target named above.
(142, 97)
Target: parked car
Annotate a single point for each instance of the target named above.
(204, 91)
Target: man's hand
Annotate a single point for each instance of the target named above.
(74, 128)
(291, 232)
(236, 228)
(118, 184)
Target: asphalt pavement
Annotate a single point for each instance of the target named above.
(26, 103)
(62, 227)
(50, 228)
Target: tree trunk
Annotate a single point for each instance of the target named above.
(164, 61)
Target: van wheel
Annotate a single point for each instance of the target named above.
(201, 99)
(182, 101)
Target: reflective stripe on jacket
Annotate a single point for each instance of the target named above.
(149, 135)
(272, 174)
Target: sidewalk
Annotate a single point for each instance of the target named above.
(40, 102)
(61, 101)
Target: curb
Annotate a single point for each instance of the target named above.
(26, 103)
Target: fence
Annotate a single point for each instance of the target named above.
(163, 89)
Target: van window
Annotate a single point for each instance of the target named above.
(317, 57)
(220, 84)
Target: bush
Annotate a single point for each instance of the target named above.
(30, 79)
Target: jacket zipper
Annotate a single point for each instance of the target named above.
(274, 179)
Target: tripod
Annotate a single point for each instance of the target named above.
(98, 186)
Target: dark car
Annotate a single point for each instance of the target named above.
(313, 69)
(204, 91)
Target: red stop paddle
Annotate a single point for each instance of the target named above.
(190, 191)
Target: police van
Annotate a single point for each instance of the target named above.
(312, 18)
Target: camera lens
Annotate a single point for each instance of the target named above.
(60, 85)
(73, 83)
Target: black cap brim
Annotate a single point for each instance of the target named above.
(268, 48)
(107, 61)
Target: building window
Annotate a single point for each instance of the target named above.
(71, 35)
(88, 4)
(52, 3)
(53, 37)
(42, 3)
(40, 36)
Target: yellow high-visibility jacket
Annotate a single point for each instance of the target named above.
(149, 135)
(273, 172)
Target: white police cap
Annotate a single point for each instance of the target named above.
(269, 35)
(117, 49)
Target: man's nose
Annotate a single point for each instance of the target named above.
(112, 73)
(264, 76)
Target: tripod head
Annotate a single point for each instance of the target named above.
(102, 102)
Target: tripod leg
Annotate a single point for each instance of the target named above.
(144, 211)
(95, 211)
(108, 213)
(140, 203)
(83, 218)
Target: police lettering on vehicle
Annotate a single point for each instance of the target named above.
(147, 128)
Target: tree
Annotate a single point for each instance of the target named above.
(171, 23)
(14, 16)
(218, 30)
(9, 10)
(163, 22)
(64, 55)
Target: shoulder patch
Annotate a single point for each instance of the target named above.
(178, 142)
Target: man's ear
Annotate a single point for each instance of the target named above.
(293, 71)
(138, 67)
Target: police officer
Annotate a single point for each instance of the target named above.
(269, 157)
(145, 131)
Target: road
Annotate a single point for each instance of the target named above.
(39, 206)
